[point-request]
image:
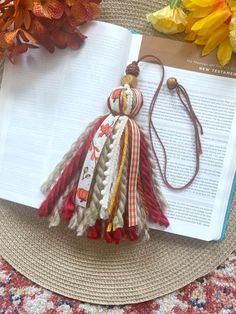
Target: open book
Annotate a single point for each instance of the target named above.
(46, 101)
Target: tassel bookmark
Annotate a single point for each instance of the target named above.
(105, 186)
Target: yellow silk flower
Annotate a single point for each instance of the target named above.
(232, 33)
(209, 24)
(168, 21)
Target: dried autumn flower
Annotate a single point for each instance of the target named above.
(28, 24)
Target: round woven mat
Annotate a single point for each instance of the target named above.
(105, 274)
(94, 271)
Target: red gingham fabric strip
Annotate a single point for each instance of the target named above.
(133, 174)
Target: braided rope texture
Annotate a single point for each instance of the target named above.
(53, 177)
(92, 213)
(69, 172)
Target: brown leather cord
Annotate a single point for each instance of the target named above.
(133, 69)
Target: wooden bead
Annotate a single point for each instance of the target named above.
(129, 79)
(172, 83)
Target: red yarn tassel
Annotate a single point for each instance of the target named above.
(69, 205)
(118, 235)
(154, 209)
(68, 174)
(140, 190)
(108, 237)
(130, 232)
(94, 232)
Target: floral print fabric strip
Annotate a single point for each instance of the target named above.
(213, 294)
(93, 154)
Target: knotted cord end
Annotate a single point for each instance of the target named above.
(132, 72)
(133, 69)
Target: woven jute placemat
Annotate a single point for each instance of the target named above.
(94, 271)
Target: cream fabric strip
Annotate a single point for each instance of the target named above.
(111, 167)
(91, 159)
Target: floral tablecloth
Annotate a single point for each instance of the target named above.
(214, 293)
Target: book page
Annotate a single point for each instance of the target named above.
(46, 102)
(199, 210)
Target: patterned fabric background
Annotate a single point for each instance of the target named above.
(213, 294)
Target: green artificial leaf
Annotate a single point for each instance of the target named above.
(174, 3)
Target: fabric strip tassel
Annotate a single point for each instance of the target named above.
(106, 188)
(68, 174)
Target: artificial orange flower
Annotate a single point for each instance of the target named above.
(25, 24)
(16, 42)
(85, 10)
(15, 50)
(41, 34)
(22, 13)
(63, 39)
(52, 9)
(208, 26)
(18, 33)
